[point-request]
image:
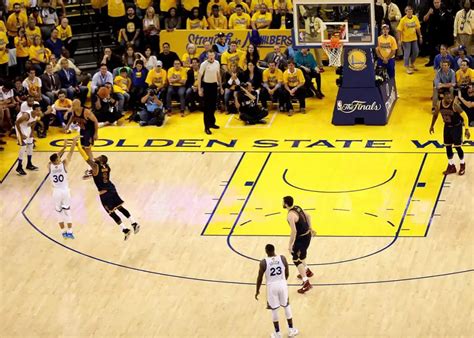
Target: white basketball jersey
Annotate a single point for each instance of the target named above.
(58, 176)
(275, 271)
(25, 124)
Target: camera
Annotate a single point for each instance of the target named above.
(152, 92)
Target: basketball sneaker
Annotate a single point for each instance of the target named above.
(276, 335)
(309, 274)
(293, 332)
(451, 169)
(136, 227)
(70, 235)
(30, 166)
(127, 233)
(462, 169)
(305, 287)
(20, 171)
(65, 236)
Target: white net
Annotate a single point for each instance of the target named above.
(334, 53)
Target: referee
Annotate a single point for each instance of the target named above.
(209, 81)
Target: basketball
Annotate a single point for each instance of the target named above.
(103, 92)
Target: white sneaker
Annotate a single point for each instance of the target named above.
(293, 332)
(276, 335)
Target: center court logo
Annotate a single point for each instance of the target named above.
(348, 108)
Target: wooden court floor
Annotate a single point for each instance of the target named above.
(393, 255)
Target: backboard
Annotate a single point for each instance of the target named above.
(317, 20)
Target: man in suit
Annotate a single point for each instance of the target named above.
(51, 83)
(70, 84)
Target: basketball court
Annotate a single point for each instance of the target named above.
(393, 254)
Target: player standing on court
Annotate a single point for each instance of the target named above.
(453, 118)
(300, 238)
(62, 198)
(275, 269)
(24, 127)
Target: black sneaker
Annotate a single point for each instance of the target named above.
(20, 171)
(136, 227)
(31, 167)
(127, 233)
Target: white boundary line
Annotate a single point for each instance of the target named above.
(267, 125)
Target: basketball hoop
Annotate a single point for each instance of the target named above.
(333, 49)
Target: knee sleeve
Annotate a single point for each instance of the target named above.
(22, 152)
(297, 262)
(67, 215)
(275, 315)
(288, 313)
(115, 217)
(124, 211)
(460, 152)
(449, 152)
(29, 149)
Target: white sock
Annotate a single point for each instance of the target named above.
(462, 161)
(131, 219)
(306, 267)
(69, 230)
(122, 226)
(305, 279)
(451, 161)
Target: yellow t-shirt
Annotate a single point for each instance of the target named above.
(464, 78)
(144, 4)
(217, 23)
(21, 47)
(186, 58)
(3, 28)
(14, 23)
(230, 58)
(39, 52)
(64, 33)
(408, 28)
(287, 5)
(31, 33)
(293, 79)
(3, 48)
(231, 7)
(255, 4)
(262, 19)
(386, 45)
(165, 5)
(177, 74)
(196, 23)
(23, 3)
(122, 84)
(190, 4)
(63, 105)
(222, 7)
(156, 78)
(97, 4)
(239, 22)
(272, 78)
(116, 8)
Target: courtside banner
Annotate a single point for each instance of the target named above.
(178, 39)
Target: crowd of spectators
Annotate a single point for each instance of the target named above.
(143, 75)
